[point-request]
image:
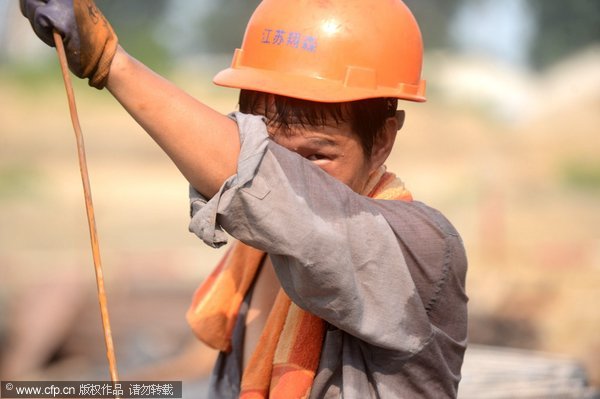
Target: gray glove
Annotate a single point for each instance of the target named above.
(90, 42)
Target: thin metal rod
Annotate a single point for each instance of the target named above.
(110, 351)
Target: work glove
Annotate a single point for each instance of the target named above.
(89, 40)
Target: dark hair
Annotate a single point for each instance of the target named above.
(366, 117)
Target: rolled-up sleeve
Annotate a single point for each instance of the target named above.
(203, 212)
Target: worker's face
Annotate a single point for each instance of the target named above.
(334, 148)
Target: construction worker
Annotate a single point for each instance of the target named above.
(337, 284)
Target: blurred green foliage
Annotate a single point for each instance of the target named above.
(18, 181)
(31, 76)
(137, 21)
(581, 175)
(563, 28)
(434, 18)
(225, 23)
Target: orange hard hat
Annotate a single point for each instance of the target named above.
(330, 51)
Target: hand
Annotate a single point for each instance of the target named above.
(89, 40)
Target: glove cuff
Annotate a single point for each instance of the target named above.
(98, 43)
(99, 75)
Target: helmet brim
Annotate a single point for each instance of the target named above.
(312, 88)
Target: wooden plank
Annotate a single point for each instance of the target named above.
(498, 373)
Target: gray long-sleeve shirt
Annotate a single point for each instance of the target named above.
(386, 276)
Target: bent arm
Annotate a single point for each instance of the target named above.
(203, 143)
(335, 252)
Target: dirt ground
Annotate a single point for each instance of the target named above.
(524, 193)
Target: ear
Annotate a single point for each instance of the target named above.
(384, 141)
(400, 116)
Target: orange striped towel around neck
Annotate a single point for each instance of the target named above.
(287, 354)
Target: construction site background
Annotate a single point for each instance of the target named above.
(509, 153)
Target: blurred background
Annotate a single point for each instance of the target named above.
(507, 147)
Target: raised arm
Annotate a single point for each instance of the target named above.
(203, 143)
